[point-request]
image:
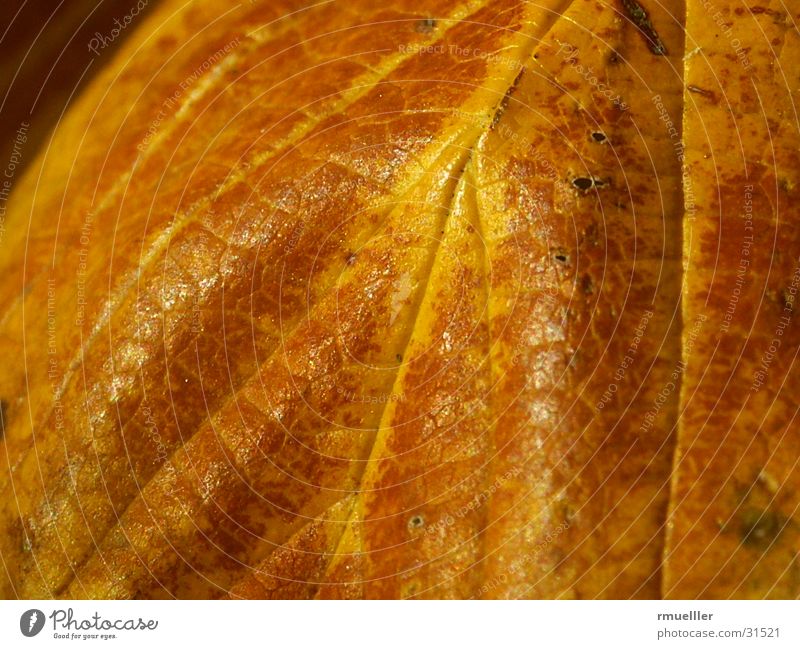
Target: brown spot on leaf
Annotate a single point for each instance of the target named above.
(587, 284)
(416, 522)
(585, 183)
(426, 25)
(561, 256)
(778, 17)
(699, 91)
(639, 17)
(3, 414)
(759, 528)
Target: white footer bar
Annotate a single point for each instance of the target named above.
(401, 625)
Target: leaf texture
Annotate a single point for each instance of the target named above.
(409, 300)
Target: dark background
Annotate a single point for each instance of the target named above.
(45, 59)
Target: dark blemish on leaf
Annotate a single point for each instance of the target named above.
(351, 259)
(399, 358)
(498, 113)
(3, 414)
(639, 17)
(561, 256)
(587, 285)
(410, 589)
(415, 522)
(20, 533)
(426, 25)
(501, 107)
(567, 512)
(778, 17)
(613, 57)
(699, 91)
(597, 136)
(759, 528)
(583, 184)
(590, 234)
